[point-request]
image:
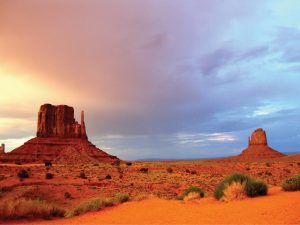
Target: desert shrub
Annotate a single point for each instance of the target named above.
(191, 196)
(298, 163)
(193, 172)
(49, 176)
(255, 188)
(96, 164)
(193, 189)
(286, 170)
(169, 170)
(108, 177)
(91, 205)
(268, 173)
(268, 164)
(116, 163)
(82, 175)
(179, 197)
(292, 183)
(2, 177)
(236, 177)
(121, 197)
(67, 195)
(128, 163)
(234, 191)
(23, 174)
(48, 163)
(29, 208)
(144, 170)
(18, 163)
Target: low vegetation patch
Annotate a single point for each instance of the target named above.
(255, 188)
(49, 176)
(82, 175)
(234, 191)
(94, 204)
(23, 174)
(191, 193)
(29, 208)
(67, 195)
(48, 163)
(235, 186)
(169, 170)
(292, 183)
(120, 198)
(144, 170)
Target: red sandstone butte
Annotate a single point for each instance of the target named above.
(60, 139)
(258, 147)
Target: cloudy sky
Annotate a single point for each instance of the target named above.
(156, 78)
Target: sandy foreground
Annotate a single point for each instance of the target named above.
(277, 208)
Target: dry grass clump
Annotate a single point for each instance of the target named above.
(29, 208)
(120, 198)
(94, 204)
(191, 193)
(234, 191)
(191, 196)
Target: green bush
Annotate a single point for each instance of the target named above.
(122, 197)
(194, 190)
(236, 177)
(292, 183)
(255, 188)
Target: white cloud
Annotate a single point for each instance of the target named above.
(13, 143)
(195, 138)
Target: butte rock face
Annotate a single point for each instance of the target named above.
(60, 139)
(59, 121)
(258, 147)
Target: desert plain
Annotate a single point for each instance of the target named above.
(153, 189)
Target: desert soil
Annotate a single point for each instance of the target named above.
(277, 208)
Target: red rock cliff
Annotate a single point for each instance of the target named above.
(59, 121)
(258, 137)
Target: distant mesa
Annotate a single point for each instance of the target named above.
(60, 138)
(2, 149)
(258, 147)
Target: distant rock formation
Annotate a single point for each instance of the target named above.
(258, 147)
(60, 139)
(2, 149)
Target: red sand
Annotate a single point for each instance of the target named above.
(277, 208)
